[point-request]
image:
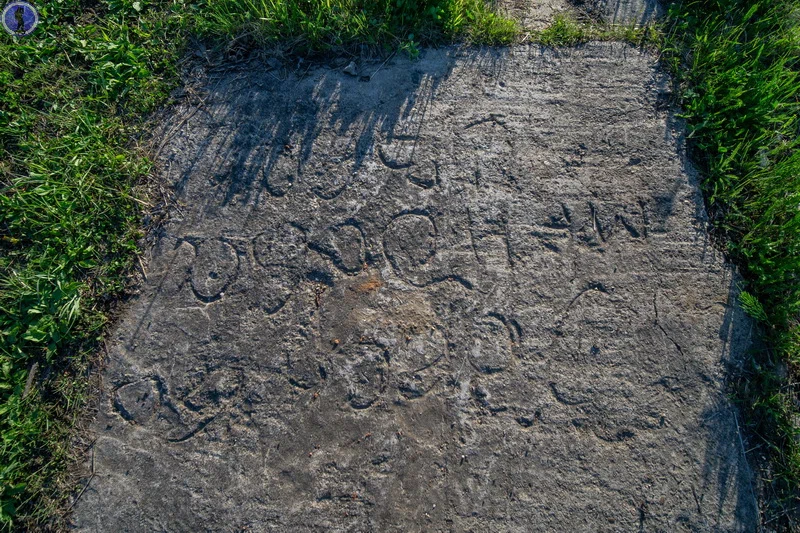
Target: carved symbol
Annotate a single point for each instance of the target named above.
(136, 402)
(399, 155)
(328, 176)
(216, 265)
(591, 226)
(187, 410)
(281, 252)
(491, 348)
(410, 246)
(344, 245)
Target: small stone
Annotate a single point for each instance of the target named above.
(351, 69)
(136, 401)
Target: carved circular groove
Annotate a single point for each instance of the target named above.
(281, 252)
(348, 244)
(305, 372)
(397, 155)
(285, 245)
(421, 350)
(329, 177)
(365, 375)
(215, 267)
(414, 357)
(491, 345)
(410, 245)
(136, 402)
(421, 179)
(278, 179)
(425, 175)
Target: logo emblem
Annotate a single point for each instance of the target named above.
(20, 18)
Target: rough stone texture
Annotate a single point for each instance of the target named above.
(474, 293)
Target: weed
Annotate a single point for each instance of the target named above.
(566, 30)
(752, 307)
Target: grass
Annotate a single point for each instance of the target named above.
(567, 30)
(304, 25)
(72, 96)
(69, 220)
(736, 63)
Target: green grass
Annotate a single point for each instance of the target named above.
(567, 30)
(69, 219)
(736, 63)
(72, 98)
(304, 25)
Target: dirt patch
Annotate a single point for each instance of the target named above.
(474, 292)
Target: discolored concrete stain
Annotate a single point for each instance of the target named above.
(474, 293)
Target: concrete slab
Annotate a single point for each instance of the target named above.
(474, 293)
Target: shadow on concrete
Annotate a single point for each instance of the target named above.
(261, 124)
(258, 127)
(727, 465)
(727, 469)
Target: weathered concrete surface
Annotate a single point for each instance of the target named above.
(472, 294)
